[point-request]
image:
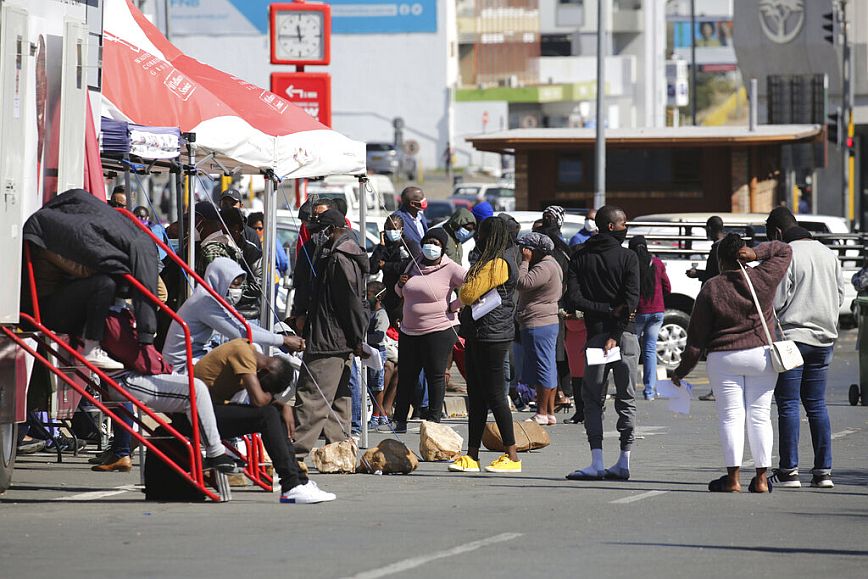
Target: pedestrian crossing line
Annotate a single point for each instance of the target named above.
(639, 497)
(94, 495)
(843, 433)
(413, 562)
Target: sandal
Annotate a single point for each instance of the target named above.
(752, 486)
(718, 485)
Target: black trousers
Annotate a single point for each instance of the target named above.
(237, 420)
(79, 308)
(484, 363)
(428, 352)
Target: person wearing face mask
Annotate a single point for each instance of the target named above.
(603, 283)
(413, 205)
(392, 256)
(337, 319)
(204, 316)
(539, 285)
(427, 326)
(588, 230)
(460, 228)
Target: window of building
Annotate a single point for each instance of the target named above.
(556, 45)
(570, 171)
(653, 169)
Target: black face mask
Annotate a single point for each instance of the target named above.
(620, 236)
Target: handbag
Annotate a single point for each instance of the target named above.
(784, 353)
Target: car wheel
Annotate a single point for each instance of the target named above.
(672, 339)
(8, 446)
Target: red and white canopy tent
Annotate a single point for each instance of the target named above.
(148, 81)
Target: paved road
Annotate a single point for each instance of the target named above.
(64, 519)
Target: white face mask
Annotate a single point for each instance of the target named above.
(234, 295)
(431, 251)
(393, 234)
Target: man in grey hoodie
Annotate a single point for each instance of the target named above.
(335, 327)
(807, 304)
(204, 316)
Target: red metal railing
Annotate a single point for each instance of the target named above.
(183, 265)
(195, 476)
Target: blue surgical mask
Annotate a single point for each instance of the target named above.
(462, 234)
(431, 251)
(393, 234)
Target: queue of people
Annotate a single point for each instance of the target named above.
(533, 294)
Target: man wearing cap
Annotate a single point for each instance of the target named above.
(335, 327)
(413, 204)
(540, 286)
(232, 198)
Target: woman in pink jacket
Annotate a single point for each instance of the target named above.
(428, 326)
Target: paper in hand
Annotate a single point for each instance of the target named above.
(373, 361)
(678, 398)
(485, 304)
(598, 356)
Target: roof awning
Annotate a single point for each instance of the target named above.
(148, 81)
(526, 139)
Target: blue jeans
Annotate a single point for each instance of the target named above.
(356, 389)
(647, 329)
(808, 383)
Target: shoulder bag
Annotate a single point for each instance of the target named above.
(785, 354)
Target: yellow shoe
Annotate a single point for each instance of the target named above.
(504, 464)
(464, 464)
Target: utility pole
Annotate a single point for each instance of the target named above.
(600, 149)
(848, 93)
(693, 61)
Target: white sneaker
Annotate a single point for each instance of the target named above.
(306, 494)
(99, 358)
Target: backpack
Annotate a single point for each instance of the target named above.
(121, 342)
(161, 482)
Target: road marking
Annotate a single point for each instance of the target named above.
(638, 497)
(843, 433)
(414, 562)
(94, 495)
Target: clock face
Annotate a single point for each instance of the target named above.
(300, 35)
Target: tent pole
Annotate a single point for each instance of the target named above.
(363, 371)
(266, 318)
(190, 198)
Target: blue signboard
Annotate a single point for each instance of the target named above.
(383, 16)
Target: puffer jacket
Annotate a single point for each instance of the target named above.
(337, 314)
(459, 219)
(497, 325)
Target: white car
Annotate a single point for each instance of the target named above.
(500, 195)
(679, 239)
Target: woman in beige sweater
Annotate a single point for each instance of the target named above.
(540, 283)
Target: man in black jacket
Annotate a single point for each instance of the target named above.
(335, 327)
(603, 283)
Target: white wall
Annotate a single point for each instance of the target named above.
(468, 122)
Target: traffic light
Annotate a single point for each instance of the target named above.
(835, 128)
(830, 25)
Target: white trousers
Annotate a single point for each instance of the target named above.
(744, 382)
(171, 393)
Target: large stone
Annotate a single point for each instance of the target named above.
(336, 458)
(389, 457)
(439, 442)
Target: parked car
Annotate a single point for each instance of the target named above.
(439, 210)
(387, 159)
(380, 199)
(679, 239)
(500, 195)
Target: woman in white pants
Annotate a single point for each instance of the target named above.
(725, 323)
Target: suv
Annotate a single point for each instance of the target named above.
(386, 158)
(679, 239)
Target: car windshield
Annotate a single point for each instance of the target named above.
(500, 192)
(438, 210)
(469, 191)
(379, 147)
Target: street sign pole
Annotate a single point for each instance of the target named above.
(600, 150)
